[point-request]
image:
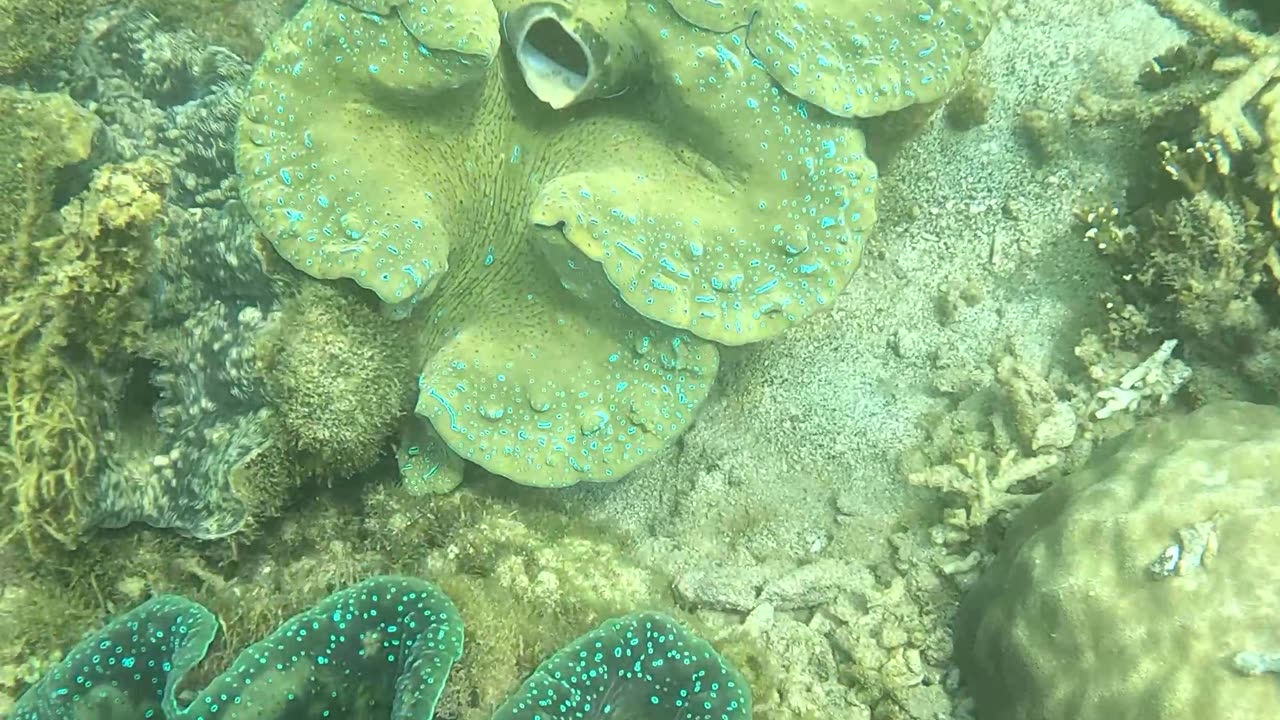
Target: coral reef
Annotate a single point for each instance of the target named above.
(38, 35)
(833, 637)
(385, 645)
(1193, 244)
(1242, 124)
(334, 380)
(1156, 550)
(165, 94)
(1012, 427)
(181, 410)
(642, 661)
(524, 583)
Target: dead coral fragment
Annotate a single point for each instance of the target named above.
(985, 493)
(1158, 376)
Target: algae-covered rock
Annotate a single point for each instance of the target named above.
(40, 133)
(1143, 585)
(333, 376)
(37, 34)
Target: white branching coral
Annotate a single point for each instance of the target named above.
(1159, 377)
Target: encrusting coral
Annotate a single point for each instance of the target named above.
(569, 198)
(385, 645)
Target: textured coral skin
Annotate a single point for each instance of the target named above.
(640, 664)
(1086, 612)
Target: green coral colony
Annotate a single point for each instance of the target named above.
(578, 200)
(383, 648)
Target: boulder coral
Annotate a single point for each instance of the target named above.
(576, 201)
(1141, 586)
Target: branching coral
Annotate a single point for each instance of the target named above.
(1195, 243)
(1245, 119)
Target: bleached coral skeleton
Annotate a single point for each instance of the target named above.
(1159, 377)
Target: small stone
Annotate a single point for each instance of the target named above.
(720, 587)
(1057, 430)
(816, 584)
